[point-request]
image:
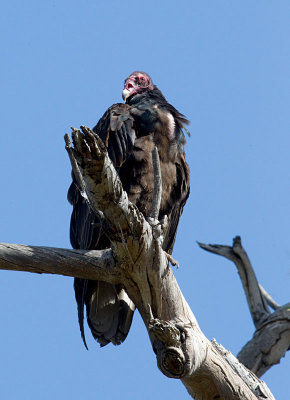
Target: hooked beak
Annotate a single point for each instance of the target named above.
(128, 89)
(125, 94)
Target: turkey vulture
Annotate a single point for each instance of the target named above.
(130, 131)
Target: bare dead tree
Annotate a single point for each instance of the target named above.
(137, 260)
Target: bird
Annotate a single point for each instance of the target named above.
(130, 130)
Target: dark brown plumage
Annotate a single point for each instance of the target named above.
(130, 132)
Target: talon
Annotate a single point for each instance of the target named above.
(171, 260)
(164, 222)
(152, 221)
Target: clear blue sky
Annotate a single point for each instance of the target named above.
(225, 65)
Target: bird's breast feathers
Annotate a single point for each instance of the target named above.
(166, 122)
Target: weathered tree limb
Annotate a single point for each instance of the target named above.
(88, 264)
(101, 265)
(272, 337)
(257, 304)
(74, 164)
(247, 375)
(103, 194)
(269, 343)
(271, 302)
(182, 350)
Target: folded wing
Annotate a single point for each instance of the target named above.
(109, 309)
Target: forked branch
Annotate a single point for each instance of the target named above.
(271, 339)
(138, 262)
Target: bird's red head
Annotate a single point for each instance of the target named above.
(137, 82)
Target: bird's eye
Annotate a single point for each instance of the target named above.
(142, 79)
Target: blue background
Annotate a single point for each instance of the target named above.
(225, 65)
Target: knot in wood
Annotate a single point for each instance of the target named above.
(168, 348)
(165, 331)
(171, 362)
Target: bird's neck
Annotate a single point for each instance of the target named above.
(154, 94)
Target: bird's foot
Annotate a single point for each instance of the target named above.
(170, 259)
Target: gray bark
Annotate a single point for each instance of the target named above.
(90, 264)
(271, 339)
(137, 260)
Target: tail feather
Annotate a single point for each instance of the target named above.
(109, 312)
(80, 286)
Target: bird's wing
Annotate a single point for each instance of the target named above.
(179, 196)
(85, 233)
(116, 129)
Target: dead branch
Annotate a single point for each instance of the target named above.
(271, 339)
(256, 302)
(269, 343)
(182, 351)
(271, 302)
(88, 264)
